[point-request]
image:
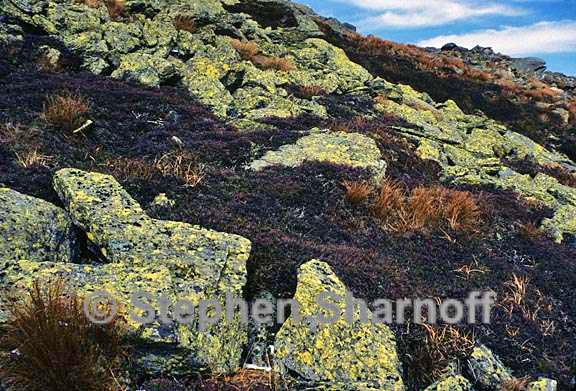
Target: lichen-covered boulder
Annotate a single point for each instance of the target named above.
(34, 229)
(339, 355)
(195, 263)
(350, 149)
(486, 369)
(543, 384)
(452, 383)
(145, 69)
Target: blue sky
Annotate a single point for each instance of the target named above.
(521, 28)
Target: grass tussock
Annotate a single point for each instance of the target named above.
(439, 346)
(250, 51)
(515, 384)
(425, 209)
(54, 347)
(180, 165)
(116, 8)
(66, 110)
(33, 158)
(357, 192)
(185, 23)
(310, 91)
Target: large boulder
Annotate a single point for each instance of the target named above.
(141, 254)
(34, 229)
(350, 149)
(341, 355)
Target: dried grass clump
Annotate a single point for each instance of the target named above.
(115, 8)
(425, 208)
(54, 347)
(246, 49)
(180, 165)
(249, 51)
(515, 384)
(530, 231)
(33, 158)
(185, 23)
(66, 110)
(275, 63)
(357, 192)
(441, 345)
(310, 91)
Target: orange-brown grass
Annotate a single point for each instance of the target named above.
(249, 51)
(246, 49)
(477, 74)
(543, 93)
(356, 124)
(115, 8)
(243, 380)
(356, 192)
(54, 347)
(276, 63)
(530, 231)
(425, 208)
(66, 110)
(311, 91)
(185, 23)
(515, 384)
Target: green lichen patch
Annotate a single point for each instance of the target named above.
(452, 383)
(34, 229)
(349, 149)
(340, 355)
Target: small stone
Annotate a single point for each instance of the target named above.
(452, 383)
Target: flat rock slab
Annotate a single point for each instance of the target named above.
(34, 229)
(341, 355)
(350, 149)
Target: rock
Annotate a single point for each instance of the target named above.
(350, 149)
(486, 369)
(543, 384)
(193, 263)
(34, 229)
(340, 355)
(449, 47)
(529, 64)
(452, 383)
(145, 69)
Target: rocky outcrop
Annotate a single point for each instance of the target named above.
(473, 149)
(350, 149)
(338, 355)
(175, 260)
(34, 230)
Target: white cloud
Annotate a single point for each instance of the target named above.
(542, 37)
(425, 13)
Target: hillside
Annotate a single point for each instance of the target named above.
(196, 149)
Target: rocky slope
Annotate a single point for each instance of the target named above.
(217, 150)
